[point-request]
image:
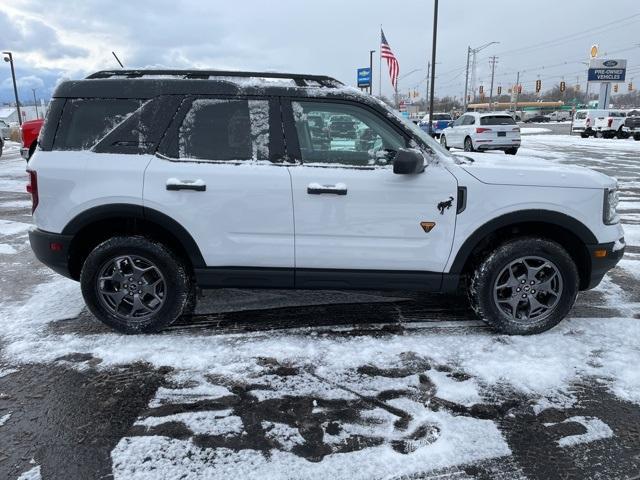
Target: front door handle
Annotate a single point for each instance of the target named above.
(318, 189)
(174, 184)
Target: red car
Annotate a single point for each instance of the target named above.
(29, 132)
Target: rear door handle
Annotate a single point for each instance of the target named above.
(174, 184)
(318, 189)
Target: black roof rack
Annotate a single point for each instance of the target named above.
(299, 79)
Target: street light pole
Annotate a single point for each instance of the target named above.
(433, 60)
(371, 52)
(9, 58)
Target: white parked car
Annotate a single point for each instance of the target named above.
(483, 131)
(610, 123)
(148, 184)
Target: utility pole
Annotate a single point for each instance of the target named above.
(35, 102)
(474, 52)
(517, 91)
(371, 52)
(433, 60)
(426, 98)
(9, 58)
(466, 82)
(493, 60)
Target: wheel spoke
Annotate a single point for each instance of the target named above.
(117, 297)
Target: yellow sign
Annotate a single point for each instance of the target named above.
(594, 51)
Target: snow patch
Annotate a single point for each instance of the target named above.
(33, 474)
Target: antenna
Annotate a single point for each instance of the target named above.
(117, 59)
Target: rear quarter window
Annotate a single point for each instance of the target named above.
(497, 120)
(87, 120)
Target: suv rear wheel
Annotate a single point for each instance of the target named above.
(468, 145)
(135, 285)
(443, 142)
(525, 286)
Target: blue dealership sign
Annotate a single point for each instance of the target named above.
(604, 70)
(364, 77)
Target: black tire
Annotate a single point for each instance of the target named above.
(483, 286)
(636, 137)
(621, 134)
(511, 151)
(129, 255)
(468, 145)
(443, 142)
(584, 135)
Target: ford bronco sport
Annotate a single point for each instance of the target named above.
(149, 183)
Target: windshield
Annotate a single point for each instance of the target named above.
(497, 120)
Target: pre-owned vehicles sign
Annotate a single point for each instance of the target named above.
(607, 70)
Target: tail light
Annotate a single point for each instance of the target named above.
(481, 130)
(610, 122)
(32, 188)
(588, 122)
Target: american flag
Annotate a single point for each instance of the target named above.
(392, 62)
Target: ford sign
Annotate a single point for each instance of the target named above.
(610, 63)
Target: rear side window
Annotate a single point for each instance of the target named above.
(87, 120)
(497, 120)
(581, 115)
(223, 129)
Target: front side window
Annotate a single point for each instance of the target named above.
(87, 120)
(225, 130)
(335, 133)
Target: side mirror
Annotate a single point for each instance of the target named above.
(408, 161)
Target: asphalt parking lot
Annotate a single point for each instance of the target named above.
(278, 384)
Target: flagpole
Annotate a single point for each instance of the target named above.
(380, 68)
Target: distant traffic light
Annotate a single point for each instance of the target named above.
(538, 85)
(631, 86)
(615, 88)
(519, 88)
(481, 90)
(563, 86)
(499, 90)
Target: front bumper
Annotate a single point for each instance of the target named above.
(600, 265)
(52, 249)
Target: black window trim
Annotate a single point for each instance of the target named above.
(168, 146)
(291, 135)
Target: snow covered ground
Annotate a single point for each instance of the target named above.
(332, 385)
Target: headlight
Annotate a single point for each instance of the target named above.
(610, 215)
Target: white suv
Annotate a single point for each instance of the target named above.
(483, 131)
(147, 184)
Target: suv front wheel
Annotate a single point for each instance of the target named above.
(525, 286)
(135, 285)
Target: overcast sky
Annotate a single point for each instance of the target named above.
(547, 38)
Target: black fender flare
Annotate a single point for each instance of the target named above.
(127, 210)
(561, 220)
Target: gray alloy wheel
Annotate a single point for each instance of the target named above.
(131, 287)
(527, 289)
(468, 144)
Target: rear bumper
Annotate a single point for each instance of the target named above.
(496, 146)
(601, 265)
(52, 249)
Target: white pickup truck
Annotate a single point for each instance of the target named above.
(560, 115)
(609, 124)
